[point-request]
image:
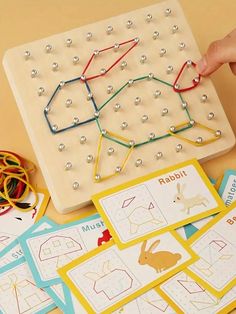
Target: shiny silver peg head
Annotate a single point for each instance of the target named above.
(152, 136)
(41, 91)
(184, 105)
(148, 18)
(83, 139)
(103, 71)
(34, 73)
(48, 48)
(75, 185)
(157, 93)
(97, 177)
(182, 46)
(117, 107)
(109, 29)
(162, 52)
(76, 120)
(55, 127)
(89, 36)
(124, 125)
(116, 47)
(164, 111)
(68, 102)
(130, 82)
(68, 42)
(172, 128)
(159, 155)
(123, 65)
(26, 55)
(169, 69)
(110, 151)
(199, 140)
(144, 118)
(109, 89)
(89, 159)
(168, 12)
(89, 96)
(155, 35)
(178, 148)
(75, 59)
(62, 84)
(210, 115)
(174, 29)
(138, 162)
(204, 98)
(96, 52)
(218, 133)
(118, 169)
(137, 101)
(55, 66)
(192, 122)
(131, 143)
(143, 59)
(96, 114)
(129, 24)
(104, 132)
(61, 147)
(68, 165)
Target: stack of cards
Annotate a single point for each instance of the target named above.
(131, 272)
(164, 243)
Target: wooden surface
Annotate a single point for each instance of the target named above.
(45, 144)
(27, 20)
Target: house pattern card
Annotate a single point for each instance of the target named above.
(51, 249)
(159, 202)
(107, 278)
(15, 222)
(215, 244)
(187, 296)
(13, 251)
(19, 293)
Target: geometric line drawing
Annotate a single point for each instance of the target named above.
(207, 301)
(111, 282)
(159, 304)
(191, 286)
(127, 202)
(151, 206)
(58, 248)
(26, 294)
(210, 255)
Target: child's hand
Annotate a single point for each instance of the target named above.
(219, 52)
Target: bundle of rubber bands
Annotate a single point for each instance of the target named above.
(14, 183)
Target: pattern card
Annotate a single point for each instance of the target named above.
(107, 278)
(215, 244)
(149, 303)
(13, 251)
(61, 296)
(18, 292)
(48, 250)
(14, 223)
(159, 202)
(187, 296)
(227, 188)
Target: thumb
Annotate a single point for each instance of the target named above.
(219, 52)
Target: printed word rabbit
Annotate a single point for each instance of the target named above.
(161, 260)
(188, 202)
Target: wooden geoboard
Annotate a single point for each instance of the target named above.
(101, 106)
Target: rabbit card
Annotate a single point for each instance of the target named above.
(185, 295)
(156, 203)
(107, 278)
(48, 250)
(19, 293)
(215, 244)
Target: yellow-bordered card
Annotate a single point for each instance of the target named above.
(107, 278)
(215, 244)
(156, 203)
(185, 295)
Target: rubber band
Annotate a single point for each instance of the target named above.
(14, 182)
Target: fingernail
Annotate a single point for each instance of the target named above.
(202, 65)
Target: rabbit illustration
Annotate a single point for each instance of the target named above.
(188, 202)
(161, 260)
